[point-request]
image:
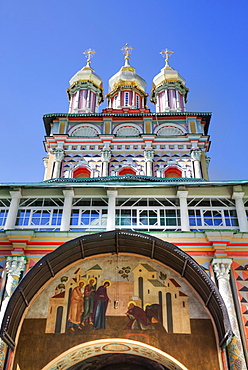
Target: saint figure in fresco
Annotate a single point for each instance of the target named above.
(137, 317)
(154, 312)
(100, 306)
(89, 295)
(76, 306)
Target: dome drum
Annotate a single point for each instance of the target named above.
(169, 100)
(127, 97)
(84, 96)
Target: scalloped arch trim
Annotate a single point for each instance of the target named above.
(87, 130)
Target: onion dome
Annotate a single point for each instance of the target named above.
(126, 87)
(86, 90)
(169, 92)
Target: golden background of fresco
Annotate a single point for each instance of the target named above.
(200, 343)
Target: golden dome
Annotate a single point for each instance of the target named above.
(127, 75)
(167, 74)
(87, 73)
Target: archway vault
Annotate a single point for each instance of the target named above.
(114, 242)
(84, 351)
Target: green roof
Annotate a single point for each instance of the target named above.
(156, 283)
(120, 178)
(122, 181)
(148, 267)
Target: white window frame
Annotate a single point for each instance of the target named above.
(89, 222)
(4, 210)
(139, 217)
(48, 217)
(212, 217)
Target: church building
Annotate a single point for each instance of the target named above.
(126, 255)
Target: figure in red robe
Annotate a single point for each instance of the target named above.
(138, 318)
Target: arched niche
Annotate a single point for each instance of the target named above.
(127, 171)
(172, 172)
(81, 172)
(119, 246)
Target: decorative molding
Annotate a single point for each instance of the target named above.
(106, 155)
(81, 352)
(127, 129)
(15, 264)
(149, 155)
(58, 154)
(196, 154)
(169, 131)
(87, 130)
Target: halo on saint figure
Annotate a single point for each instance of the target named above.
(81, 281)
(107, 281)
(131, 302)
(147, 304)
(92, 278)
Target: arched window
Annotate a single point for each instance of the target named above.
(127, 171)
(81, 173)
(172, 172)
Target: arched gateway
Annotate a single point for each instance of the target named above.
(119, 299)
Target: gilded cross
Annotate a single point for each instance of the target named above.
(89, 54)
(127, 50)
(166, 53)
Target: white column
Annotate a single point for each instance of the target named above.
(182, 195)
(221, 267)
(14, 266)
(166, 99)
(76, 100)
(45, 162)
(106, 155)
(240, 209)
(184, 105)
(149, 155)
(13, 209)
(59, 155)
(66, 216)
(112, 194)
(196, 157)
(177, 102)
(88, 99)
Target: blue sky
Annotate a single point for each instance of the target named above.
(41, 49)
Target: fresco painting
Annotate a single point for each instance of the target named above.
(145, 293)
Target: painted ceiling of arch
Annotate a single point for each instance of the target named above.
(118, 362)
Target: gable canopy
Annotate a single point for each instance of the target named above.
(114, 242)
